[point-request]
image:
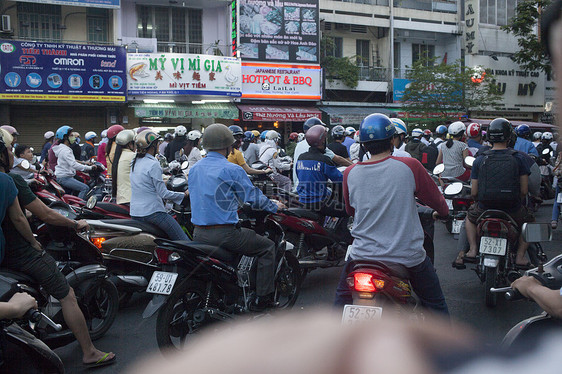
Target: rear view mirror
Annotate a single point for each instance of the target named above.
(536, 232)
(25, 164)
(545, 151)
(184, 165)
(438, 169)
(469, 160)
(454, 188)
(91, 203)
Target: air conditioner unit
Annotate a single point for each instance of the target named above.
(6, 24)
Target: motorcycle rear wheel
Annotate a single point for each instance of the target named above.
(175, 319)
(491, 282)
(102, 307)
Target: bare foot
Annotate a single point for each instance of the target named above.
(95, 356)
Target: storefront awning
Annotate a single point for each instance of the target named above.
(351, 115)
(209, 110)
(277, 113)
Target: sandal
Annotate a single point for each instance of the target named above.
(459, 261)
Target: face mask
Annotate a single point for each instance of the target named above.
(71, 139)
(77, 140)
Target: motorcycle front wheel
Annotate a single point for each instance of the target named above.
(102, 308)
(178, 316)
(288, 281)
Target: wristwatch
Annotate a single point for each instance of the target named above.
(75, 225)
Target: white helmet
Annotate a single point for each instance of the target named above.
(400, 126)
(356, 137)
(180, 130)
(547, 136)
(125, 137)
(272, 135)
(416, 133)
(104, 134)
(349, 131)
(49, 135)
(194, 135)
(456, 128)
(90, 135)
(537, 135)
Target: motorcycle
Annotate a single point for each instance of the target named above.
(547, 174)
(23, 352)
(128, 245)
(524, 335)
(202, 284)
(81, 263)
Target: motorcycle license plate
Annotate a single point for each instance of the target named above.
(456, 228)
(449, 203)
(353, 314)
(493, 246)
(162, 282)
(559, 198)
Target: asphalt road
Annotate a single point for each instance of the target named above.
(133, 338)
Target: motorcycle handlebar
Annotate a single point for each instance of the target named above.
(513, 295)
(32, 315)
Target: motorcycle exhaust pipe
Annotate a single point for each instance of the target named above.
(136, 281)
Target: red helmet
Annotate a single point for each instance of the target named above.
(316, 136)
(427, 132)
(293, 136)
(114, 130)
(473, 130)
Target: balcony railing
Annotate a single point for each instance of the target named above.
(195, 48)
(446, 6)
(64, 40)
(401, 73)
(372, 73)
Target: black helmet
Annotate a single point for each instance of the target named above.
(499, 130)
(312, 121)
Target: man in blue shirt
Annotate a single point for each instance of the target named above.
(523, 143)
(217, 188)
(348, 141)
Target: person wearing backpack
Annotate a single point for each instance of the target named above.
(415, 147)
(500, 179)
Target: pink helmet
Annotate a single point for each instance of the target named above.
(114, 130)
(316, 135)
(11, 130)
(473, 130)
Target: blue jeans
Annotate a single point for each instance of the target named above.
(166, 223)
(74, 185)
(556, 206)
(423, 279)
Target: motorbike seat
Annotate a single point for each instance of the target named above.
(304, 213)
(493, 213)
(14, 274)
(145, 227)
(114, 208)
(209, 250)
(393, 269)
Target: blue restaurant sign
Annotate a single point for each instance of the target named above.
(114, 4)
(62, 72)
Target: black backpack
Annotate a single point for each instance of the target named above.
(498, 179)
(429, 156)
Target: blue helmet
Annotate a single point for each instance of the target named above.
(312, 121)
(249, 136)
(62, 131)
(262, 135)
(441, 129)
(376, 127)
(523, 131)
(236, 130)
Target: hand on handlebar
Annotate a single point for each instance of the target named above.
(524, 284)
(21, 302)
(268, 171)
(436, 216)
(280, 205)
(82, 225)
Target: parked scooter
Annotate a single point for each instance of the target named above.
(81, 263)
(23, 352)
(202, 284)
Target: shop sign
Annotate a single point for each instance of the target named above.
(471, 32)
(183, 74)
(112, 4)
(399, 85)
(62, 72)
(289, 82)
(520, 90)
(223, 113)
(282, 31)
(272, 113)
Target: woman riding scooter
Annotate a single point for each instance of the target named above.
(124, 155)
(66, 167)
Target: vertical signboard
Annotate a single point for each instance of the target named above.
(281, 31)
(234, 28)
(471, 33)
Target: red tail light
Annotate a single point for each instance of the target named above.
(163, 255)
(365, 282)
(494, 228)
(457, 204)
